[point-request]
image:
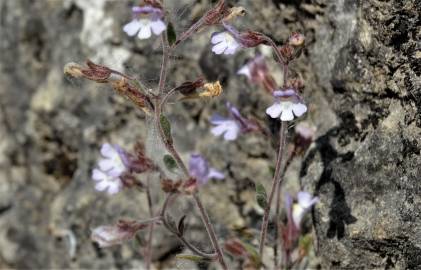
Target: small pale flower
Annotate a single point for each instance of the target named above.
(231, 126)
(257, 72)
(200, 170)
(304, 203)
(114, 160)
(225, 126)
(224, 43)
(105, 182)
(107, 236)
(287, 106)
(150, 23)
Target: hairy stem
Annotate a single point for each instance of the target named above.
(148, 250)
(275, 180)
(171, 149)
(165, 62)
(180, 237)
(210, 230)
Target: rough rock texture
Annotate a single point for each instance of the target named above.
(362, 72)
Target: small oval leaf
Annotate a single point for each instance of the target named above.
(170, 163)
(166, 128)
(172, 36)
(261, 196)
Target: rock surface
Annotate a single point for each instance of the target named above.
(362, 70)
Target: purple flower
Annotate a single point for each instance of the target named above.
(107, 183)
(255, 70)
(199, 169)
(145, 26)
(288, 105)
(231, 126)
(228, 41)
(296, 211)
(224, 43)
(114, 160)
(112, 165)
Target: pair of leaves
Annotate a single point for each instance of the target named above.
(261, 196)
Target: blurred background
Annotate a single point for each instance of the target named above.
(361, 69)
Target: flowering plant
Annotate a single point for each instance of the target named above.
(118, 169)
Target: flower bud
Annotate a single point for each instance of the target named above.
(296, 40)
(107, 236)
(189, 87)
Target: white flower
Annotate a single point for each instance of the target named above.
(112, 163)
(305, 202)
(106, 182)
(229, 127)
(286, 109)
(224, 43)
(144, 27)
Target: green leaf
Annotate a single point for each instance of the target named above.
(261, 196)
(193, 258)
(172, 36)
(166, 128)
(170, 163)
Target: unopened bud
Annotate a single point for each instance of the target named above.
(188, 88)
(73, 70)
(251, 39)
(296, 40)
(107, 236)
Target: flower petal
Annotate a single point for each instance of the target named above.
(306, 200)
(105, 164)
(217, 119)
(219, 130)
(299, 109)
(107, 150)
(145, 30)
(158, 27)
(245, 70)
(132, 28)
(219, 48)
(275, 110)
(215, 174)
(101, 185)
(232, 132)
(218, 37)
(98, 175)
(232, 48)
(287, 115)
(114, 187)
